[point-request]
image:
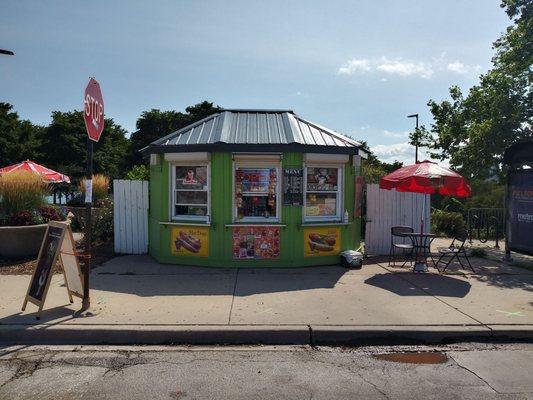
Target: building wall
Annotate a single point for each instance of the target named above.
(220, 236)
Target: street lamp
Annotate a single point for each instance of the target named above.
(416, 136)
(7, 52)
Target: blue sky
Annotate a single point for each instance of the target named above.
(358, 67)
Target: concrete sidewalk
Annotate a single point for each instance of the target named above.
(137, 300)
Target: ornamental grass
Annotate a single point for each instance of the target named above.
(21, 191)
(100, 187)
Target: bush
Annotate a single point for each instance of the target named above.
(50, 213)
(102, 221)
(447, 223)
(139, 172)
(21, 191)
(100, 187)
(25, 218)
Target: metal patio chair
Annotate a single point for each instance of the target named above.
(400, 231)
(455, 251)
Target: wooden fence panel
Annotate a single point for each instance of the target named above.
(130, 216)
(387, 208)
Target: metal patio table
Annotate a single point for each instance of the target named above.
(421, 248)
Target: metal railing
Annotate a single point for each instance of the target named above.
(486, 224)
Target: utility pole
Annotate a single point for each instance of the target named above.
(416, 136)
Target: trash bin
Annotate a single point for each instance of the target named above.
(352, 259)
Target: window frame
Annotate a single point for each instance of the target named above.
(340, 194)
(257, 164)
(173, 195)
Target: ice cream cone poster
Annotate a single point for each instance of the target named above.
(193, 242)
(322, 241)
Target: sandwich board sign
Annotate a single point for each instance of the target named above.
(58, 244)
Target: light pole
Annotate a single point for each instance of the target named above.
(416, 136)
(7, 52)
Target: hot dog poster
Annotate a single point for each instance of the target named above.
(259, 243)
(190, 242)
(320, 241)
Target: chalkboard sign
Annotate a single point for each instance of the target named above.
(293, 186)
(45, 262)
(58, 242)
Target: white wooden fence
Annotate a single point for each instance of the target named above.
(387, 208)
(130, 216)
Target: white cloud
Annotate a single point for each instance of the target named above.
(354, 65)
(460, 68)
(405, 68)
(395, 134)
(403, 152)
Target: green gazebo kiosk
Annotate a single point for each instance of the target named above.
(254, 188)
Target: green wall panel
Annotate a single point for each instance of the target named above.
(220, 237)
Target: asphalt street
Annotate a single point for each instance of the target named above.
(461, 371)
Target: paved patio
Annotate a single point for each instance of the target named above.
(136, 294)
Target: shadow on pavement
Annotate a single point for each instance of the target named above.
(441, 285)
(198, 281)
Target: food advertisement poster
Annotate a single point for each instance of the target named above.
(256, 242)
(192, 241)
(322, 241)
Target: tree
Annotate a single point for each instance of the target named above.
(474, 131)
(19, 139)
(373, 168)
(155, 124)
(65, 146)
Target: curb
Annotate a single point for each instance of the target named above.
(258, 335)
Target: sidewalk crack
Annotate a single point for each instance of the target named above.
(473, 373)
(233, 296)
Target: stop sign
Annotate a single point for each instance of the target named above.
(93, 110)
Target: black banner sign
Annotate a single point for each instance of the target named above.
(520, 211)
(293, 186)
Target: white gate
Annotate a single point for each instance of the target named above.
(130, 216)
(387, 208)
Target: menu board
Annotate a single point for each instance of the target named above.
(58, 244)
(256, 242)
(45, 262)
(293, 187)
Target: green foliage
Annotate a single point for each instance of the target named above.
(102, 221)
(485, 194)
(474, 130)
(373, 169)
(19, 140)
(447, 223)
(65, 146)
(139, 172)
(155, 124)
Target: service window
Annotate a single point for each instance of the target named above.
(257, 193)
(190, 190)
(323, 193)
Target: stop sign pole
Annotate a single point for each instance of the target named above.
(93, 115)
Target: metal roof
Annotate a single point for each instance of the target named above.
(254, 127)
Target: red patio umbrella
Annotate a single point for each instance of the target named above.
(47, 174)
(426, 177)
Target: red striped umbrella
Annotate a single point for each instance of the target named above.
(47, 174)
(426, 177)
